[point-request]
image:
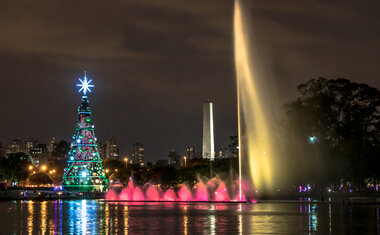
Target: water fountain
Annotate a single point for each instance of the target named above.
(214, 190)
(254, 141)
(253, 132)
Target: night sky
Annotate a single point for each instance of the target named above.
(154, 62)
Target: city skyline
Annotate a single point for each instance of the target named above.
(154, 63)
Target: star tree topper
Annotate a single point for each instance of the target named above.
(85, 85)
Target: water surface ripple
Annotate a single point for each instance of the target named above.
(100, 217)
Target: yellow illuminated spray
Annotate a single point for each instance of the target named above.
(254, 141)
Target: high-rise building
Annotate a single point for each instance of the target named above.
(208, 131)
(15, 146)
(52, 146)
(112, 151)
(191, 152)
(38, 153)
(173, 159)
(29, 145)
(138, 154)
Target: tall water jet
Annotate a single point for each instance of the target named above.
(253, 131)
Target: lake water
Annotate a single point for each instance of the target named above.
(99, 217)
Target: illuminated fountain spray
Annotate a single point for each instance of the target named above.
(213, 190)
(254, 141)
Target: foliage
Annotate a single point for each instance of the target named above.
(14, 167)
(112, 164)
(345, 119)
(39, 179)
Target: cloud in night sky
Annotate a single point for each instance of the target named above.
(154, 63)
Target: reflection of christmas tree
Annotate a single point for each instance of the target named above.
(84, 170)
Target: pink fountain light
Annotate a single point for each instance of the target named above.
(152, 193)
(214, 190)
(111, 195)
(201, 193)
(184, 193)
(221, 194)
(170, 195)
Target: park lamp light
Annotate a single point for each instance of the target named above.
(43, 168)
(30, 167)
(312, 139)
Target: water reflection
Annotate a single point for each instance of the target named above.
(240, 217)
(84, 216)
(377, 219)
(97, 216)
(43, 217)
(185, 220)
(313, 219)
(107, 218)
(30, 217)
(330, 227)
(126, 216)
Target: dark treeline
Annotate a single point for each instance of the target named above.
(15, 167)
(331, 134)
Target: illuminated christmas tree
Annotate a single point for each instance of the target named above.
(84, 171)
